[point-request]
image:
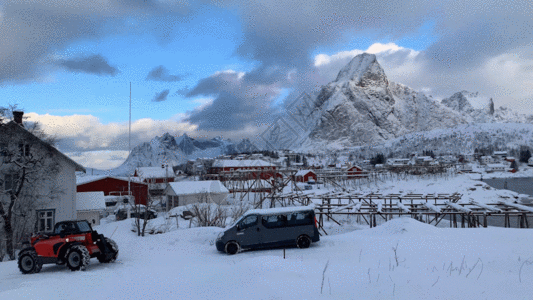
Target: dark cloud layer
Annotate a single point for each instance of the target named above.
(161, 73)
(94, 64)
(162, 96)
(238, 102)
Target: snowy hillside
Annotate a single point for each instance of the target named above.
(463, 139)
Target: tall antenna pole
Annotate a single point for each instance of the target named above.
(129, 149)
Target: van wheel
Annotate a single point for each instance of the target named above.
(303, 241)
(232, 248)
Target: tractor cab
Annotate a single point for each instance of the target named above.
(72, 227)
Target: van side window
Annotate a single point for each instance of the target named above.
(275, 221)
(248, 222)
(300, 218)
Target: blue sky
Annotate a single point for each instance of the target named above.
(226, 68)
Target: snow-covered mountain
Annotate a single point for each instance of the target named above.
(173, 151)
(362, 107)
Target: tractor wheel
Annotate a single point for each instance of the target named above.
(77, 257)
(29, 262)
(114, 249)
(232, 248)
(303, 241)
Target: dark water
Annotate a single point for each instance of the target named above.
(519, 185)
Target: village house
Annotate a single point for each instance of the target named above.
(49, 191)
(225, 169)
(494, 168)
(90, 206)
(305, 176)
(355, 172)
(156, 178)
(188, 192)
(115, 186)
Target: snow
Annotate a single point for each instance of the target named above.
(228, 163)
(155, 172)
(90, 201)
(278, 210)
(399, 259)
(196, 187)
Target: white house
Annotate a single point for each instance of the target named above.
(89, 205)
(487, 160)
(530, 162)
(494, 168)
(187, 192)
(51, 194)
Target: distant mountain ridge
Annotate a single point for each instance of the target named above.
(173, 151)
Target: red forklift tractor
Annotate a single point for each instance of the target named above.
(72, 243)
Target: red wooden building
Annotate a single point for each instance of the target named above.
(225, 169)
(355, 172)
(305, 176)
(113, 186)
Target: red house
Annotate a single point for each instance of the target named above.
(243, 169)
(305, 176)
(113, 186)
(355, 172)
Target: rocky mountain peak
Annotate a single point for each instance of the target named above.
(363, 70)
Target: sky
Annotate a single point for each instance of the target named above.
(227, 68)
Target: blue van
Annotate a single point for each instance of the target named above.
(268, 228)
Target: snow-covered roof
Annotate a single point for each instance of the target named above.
(279, 210)
(90, 201)
(228, 163)
(303, 172)
(196, 187)
(91, 178)
(155, 172)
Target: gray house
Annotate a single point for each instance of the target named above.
(48, 191)
(187, 192)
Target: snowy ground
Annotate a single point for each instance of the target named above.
(428, 263)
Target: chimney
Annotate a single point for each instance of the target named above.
(17, 117)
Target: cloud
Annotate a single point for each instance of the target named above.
(240, 100)
(162, 96)
(93, 64)
(80, 133)
(160, 73)
(32, 31)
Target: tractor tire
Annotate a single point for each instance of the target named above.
(29, 262)
(303, 242)
(102, 258)
(232, 248)
(77, 257)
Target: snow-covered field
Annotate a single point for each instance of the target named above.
(400, 259)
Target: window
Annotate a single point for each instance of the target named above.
(248, 222)
(45, 220)
(24, 149)
(10, 181)
(300, 218)
(275, 221)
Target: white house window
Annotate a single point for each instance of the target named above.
(10, 181)
(24, 149)
(45, 220)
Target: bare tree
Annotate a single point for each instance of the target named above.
(27, 176)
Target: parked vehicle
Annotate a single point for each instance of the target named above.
(139, 211)
(72, 243)
(268, 228)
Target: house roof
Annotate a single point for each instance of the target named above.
(155, 172)
(92, 178)
(228, 163)
(90, 201)
(196, 187)
(51, 148)
(304, 172)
